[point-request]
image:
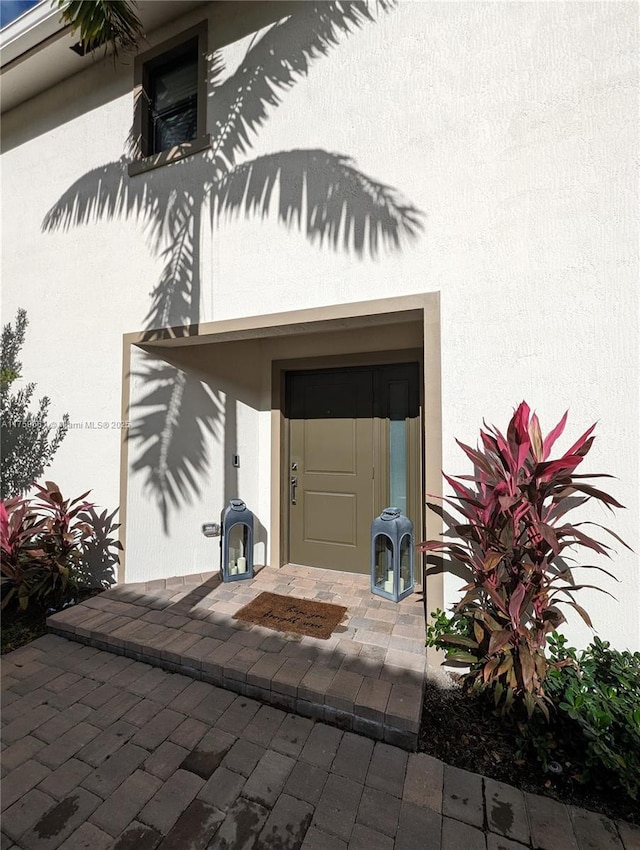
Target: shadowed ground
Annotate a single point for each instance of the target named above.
(104, 751)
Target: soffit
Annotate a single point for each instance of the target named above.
(336, 317)
(35, 49)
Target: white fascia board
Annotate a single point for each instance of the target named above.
(27, 31)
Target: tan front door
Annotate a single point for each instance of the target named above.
(340, 461)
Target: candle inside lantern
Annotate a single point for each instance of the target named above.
(401, 585)
(233, 569)
(388, 585)
(241, 566)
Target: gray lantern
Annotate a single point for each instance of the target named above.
(236, 561)
(392, 555)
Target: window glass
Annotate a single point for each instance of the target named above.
(174, 102)
(398, 412)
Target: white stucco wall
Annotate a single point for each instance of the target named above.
(512, 126)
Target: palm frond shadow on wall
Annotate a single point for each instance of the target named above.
(321, 194)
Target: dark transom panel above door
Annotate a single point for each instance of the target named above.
(350, 447)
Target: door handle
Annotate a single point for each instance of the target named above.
(293, 485)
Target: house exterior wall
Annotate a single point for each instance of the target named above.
(512, 127)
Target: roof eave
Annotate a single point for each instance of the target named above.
(36, 25)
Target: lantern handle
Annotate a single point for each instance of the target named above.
(390, 513)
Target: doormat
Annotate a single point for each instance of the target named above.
(290, 614)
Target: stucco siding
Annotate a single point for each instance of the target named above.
(511, 127)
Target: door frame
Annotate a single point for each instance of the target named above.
(355, 360)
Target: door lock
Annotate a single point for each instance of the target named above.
(293, 487)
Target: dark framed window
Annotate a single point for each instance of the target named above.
(171, 85)
(170, 100)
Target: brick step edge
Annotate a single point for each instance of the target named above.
(405, 739)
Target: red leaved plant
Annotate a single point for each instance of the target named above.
(42, 543)
(512, 539)
(20, 530)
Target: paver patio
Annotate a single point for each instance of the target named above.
(368, 677)
(105, 752)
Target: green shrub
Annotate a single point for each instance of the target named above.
(29, 440)
(596, 722)
(593, 728)
(444, 630)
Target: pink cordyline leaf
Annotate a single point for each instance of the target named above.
(462, 492)
(432, 545)
(545, 471)
(507, 502)
(557, 509)
(609, 501)
(4, 526)
(535, 435)
(584, 539)
(499, 639)
(604, 528)
(467, 511)
(491, 560)
(582, 613)
(553, 616)
(600, 569)
(549, 535)
(518, 433)
(437, 509)
(553, 435)
(460, 554)
(523, 452)
(440, 510)
(490, 443)
(515, 604)
(573, 588)
(510, 462)
(584, 450)
(498, 600)
(476, 458)
(593, 474)
(485, 515)
(518, 428)
(527, 667)
(80, 498)
(521, 512)
(581, 441)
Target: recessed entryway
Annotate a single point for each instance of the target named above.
(248, 359)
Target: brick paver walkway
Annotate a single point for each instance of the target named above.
(368, 677)
(102, 752)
